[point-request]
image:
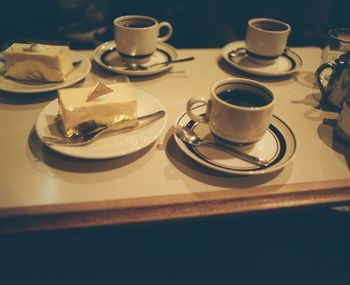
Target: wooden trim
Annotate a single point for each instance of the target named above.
(182, 206)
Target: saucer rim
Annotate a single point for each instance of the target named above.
(290, 54)
(169, 50)
(269, 169)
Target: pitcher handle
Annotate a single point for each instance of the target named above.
(318, 74)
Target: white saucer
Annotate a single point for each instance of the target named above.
(106, 56)
(79, 73)
(109, 145)
(288, 63)
(279, 145)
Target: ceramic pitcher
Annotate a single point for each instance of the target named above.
(338, 86)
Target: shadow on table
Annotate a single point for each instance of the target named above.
(326, 115)
(306, 78)
(59, 161)
(313, 100)
(24, 99)
(332, 140)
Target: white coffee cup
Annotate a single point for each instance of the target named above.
(239, 111)
(266, 39)
(136, 37)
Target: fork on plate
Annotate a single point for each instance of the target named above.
(91, 136)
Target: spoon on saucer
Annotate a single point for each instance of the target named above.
(237, 52)
(136, 66)
(188, 136)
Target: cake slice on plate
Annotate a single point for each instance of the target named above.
(100, 105)
(38, 62)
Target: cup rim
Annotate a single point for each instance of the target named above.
(247, 82)
(254, 20)
(117, 21)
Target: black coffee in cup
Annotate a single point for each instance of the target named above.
(271, 26)
(138, 24)
(238, 111)
(244, 98)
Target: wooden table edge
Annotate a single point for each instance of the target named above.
(162, 208)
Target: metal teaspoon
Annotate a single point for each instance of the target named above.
(135, 66)
(190, 137)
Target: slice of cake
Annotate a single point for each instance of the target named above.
(38, 62)
(77, 106)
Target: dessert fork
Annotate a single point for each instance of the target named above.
(94, 134)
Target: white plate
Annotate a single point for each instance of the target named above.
(106, 56)
(279, 145)
(79, 73)
(109, 145)
(288, 63)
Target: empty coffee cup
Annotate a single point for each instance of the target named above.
(136, 37)
(266, 39)
(238, 112)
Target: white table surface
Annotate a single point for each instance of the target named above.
(35, 180)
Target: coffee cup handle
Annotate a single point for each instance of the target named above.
(318, 74)
(169, 32)
(190, 103)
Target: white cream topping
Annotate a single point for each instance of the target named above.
(37, 47)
